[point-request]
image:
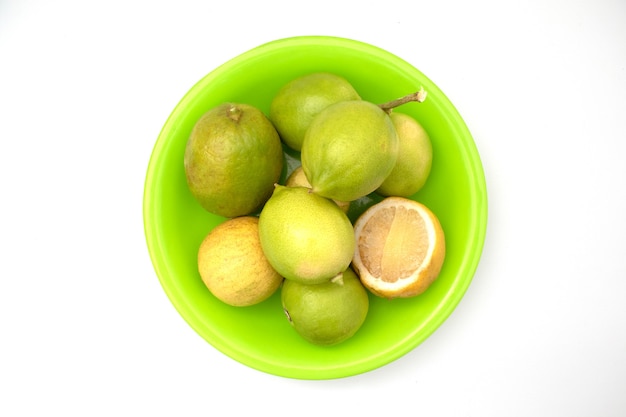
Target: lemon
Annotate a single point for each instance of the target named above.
(298, 101)
(233, 266)
(232, 159)
(349, 150)
(415, 157)
(326, 314)
(305, 237)
(297, 178)
(400, 248)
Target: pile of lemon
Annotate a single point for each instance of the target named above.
(296, 237)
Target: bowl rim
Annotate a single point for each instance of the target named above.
(477, 230)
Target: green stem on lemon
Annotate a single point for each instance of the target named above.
(418, 96)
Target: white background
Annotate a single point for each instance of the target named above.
(85, 327)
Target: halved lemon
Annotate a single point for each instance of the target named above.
(400, 248)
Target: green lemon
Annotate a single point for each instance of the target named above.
(232, 159)
(305, 237)
(349, 150)
(298, 101)
(415, 157)
(329, 313)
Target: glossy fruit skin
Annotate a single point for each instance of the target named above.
(415, 158)
(305, 237)
(296, 104)
(232, 159)
(349, 150)
(326, 314)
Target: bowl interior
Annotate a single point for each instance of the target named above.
(260, 336)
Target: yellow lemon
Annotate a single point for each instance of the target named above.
(233, 266)
(306, 237)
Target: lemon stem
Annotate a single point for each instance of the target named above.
(418, 96)
(337, 279)
(234, 113)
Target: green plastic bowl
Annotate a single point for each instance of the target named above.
(260, 336)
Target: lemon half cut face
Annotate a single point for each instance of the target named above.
(400, 248)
